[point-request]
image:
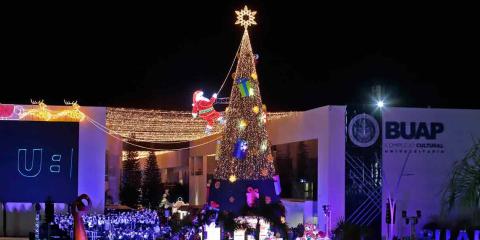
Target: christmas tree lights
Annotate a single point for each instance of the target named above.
(245, 174)
(245, 127)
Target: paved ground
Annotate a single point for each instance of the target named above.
(12, 238)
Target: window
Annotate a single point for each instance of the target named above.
(296, 164)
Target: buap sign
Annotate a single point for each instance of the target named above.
(413, 130)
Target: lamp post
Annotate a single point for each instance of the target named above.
(390, 217)
(412, 220)
(327, 212)
(37, 221)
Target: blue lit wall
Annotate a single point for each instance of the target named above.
(38, 160)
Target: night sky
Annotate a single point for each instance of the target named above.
(310, 56)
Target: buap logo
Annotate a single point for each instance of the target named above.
(363, 130)
(413, 130)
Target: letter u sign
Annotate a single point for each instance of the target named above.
(30, 166)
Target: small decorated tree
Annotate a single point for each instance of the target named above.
(131, 180)
(151, 187)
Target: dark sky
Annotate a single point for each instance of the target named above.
(310, 56)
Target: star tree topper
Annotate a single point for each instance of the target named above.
(246, 17)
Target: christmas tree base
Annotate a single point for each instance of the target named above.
(232, 197)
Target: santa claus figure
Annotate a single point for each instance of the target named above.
(203, 108)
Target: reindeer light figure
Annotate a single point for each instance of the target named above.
(41, 112)
(73, 113)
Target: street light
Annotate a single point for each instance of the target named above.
(380, 103)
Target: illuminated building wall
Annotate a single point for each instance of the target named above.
(91, 168)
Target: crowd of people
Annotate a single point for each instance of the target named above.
(139, 224)
(142, 224)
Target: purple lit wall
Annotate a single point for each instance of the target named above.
(327, 125)
(441, 137)
(91, 165)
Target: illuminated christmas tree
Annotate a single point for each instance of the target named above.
(245, 163)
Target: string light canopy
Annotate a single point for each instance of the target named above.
(160, 125)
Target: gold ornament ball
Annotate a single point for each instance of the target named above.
(255, 109)
(242, 124)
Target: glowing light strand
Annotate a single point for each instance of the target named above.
(229, 70)
(105, 130)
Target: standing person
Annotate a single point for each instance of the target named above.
(107, 225)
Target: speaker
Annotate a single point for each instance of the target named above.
(419, 214)
(37, 207)
(388, 216)
(394, 212)
(404, 214)
(49, 211)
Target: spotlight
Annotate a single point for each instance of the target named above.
(380, 103)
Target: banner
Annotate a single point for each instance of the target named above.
(363, 154)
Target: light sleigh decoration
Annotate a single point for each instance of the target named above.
(10, 112)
